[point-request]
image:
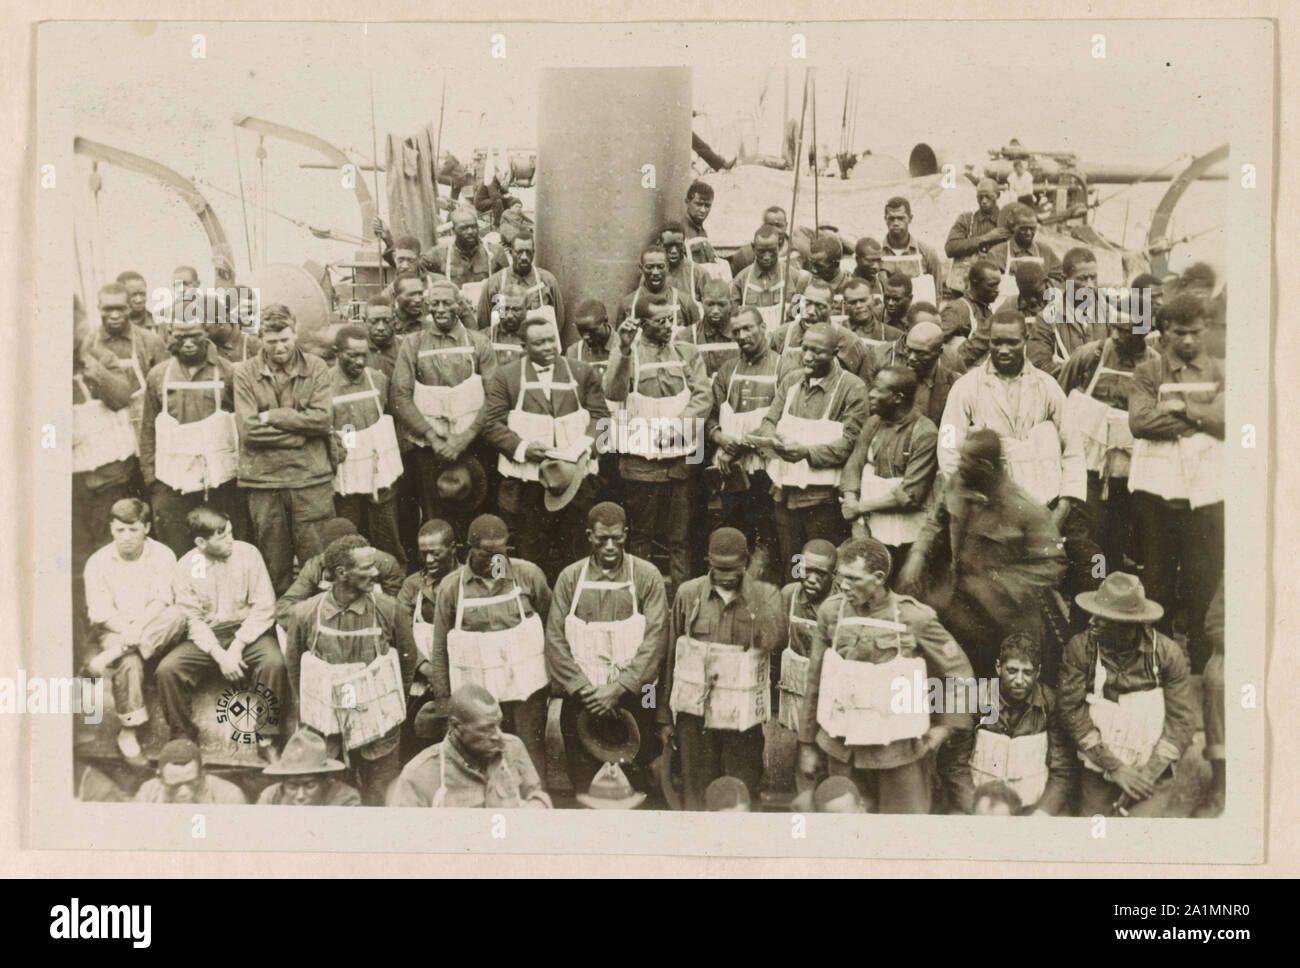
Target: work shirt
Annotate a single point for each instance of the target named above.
(507, 780)
(385, 358)
(485, 260)
(598, 358)
(902, 448)
(238, 347)
(1047, 340)
(702, 250)
(751, 287)
(1204, 409)
(1012, 407)
(753, 619)
(1039, 713)
(743, 258)
(290, 451)
(687, 280)
(534, 596)
(1004, 546)
(849, 350)
(688, 310)
(965, 316)
(121, 590)
(183, 404)
(148, 349)
(508, 347)
(969, 226)
(416, 585)
(311, 581)
(357, 414)
(222, 597)
(1077, 372)
(875, 328)
(838, 396)
(441, 370)
(931, 391)
(745, 395)
(944, 659)
(337, 794)
(798, 635)
(1002, 254)
(549, 295)
(931, 264)
(608, 605)
(213, 790)
(659, 382)
(1128, 671)
(702, 335)
(112, 388)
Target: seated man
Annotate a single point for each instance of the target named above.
(477, 765)
(181, 779)
(312, 580)
(305, 780)
(224, 590)
(129, 603)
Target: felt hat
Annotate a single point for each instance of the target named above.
(462, 486)
(1121, 598)
(304, 755)
(610, 739)
(610, 790)
(560, 479)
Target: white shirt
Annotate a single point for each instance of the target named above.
(1021, 184)
(117, 587)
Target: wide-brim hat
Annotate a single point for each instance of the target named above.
(304, 755)
(610, 790)
(560, 479)
(462, 485)
(610, 739)
(1121, 598)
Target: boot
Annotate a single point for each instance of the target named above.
(1212, 802)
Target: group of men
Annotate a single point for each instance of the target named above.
(946, 489)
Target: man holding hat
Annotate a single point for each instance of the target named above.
(973, 234)
(542, 417)
(488, 630)
(303, 776)
(724, 628)
(1126, 699)
(606, 635)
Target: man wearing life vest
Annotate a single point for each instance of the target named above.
(724, 628)
(921, 350)
(1126, 700)
(654, 285)
(712, 334)
(137, 298)
(1021, 740)
(1006, 554)
(135, 350)
(1022, 249)
(743, 390)
(382, 341)
(367, 460)
(488, 630)
(595, 340)
(774, 217)
(542, 416)
(506, 327)
(824, 263)
(811, 308)
(904, 253)
(224, 330)
(1096, 379)
(867, 266)
(1079, 317)
(868, 637)
(683, 274)
(282, 410)
(410, 312)
(810, 428)
(887, 482)
(863, 320)
(665, 397)
(350, 665)
(415, 603)
(1177, 474)
(606, 636)
(477, 765)
(800, 600)
(438, 394)
(1026, 408)
(965, 320)
(189, 446)
(465, 259)
(312, 578)
(538, 286)
(766, 283)
(699, 202)
(971, 236)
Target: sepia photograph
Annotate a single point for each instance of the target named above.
(608, 425)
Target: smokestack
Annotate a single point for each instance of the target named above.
(598, 131)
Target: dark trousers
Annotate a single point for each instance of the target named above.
(795, 528)
(184, 667)
(751, 514)
(1098, 796)
(373, 777)
(1079, 531)
(1183, 547)
(583, 766)
(610, 487)
(407, 497)
(427, 467)
(661, 508)
(1111, 521)
(710, 753)
(980, 634)
(902, 789)
(375, 521)
(170, 508)
(552, 540)
(526, 718)
(287, 521)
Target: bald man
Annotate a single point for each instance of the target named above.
(972, 235)
(477, 765)
(921, 349)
